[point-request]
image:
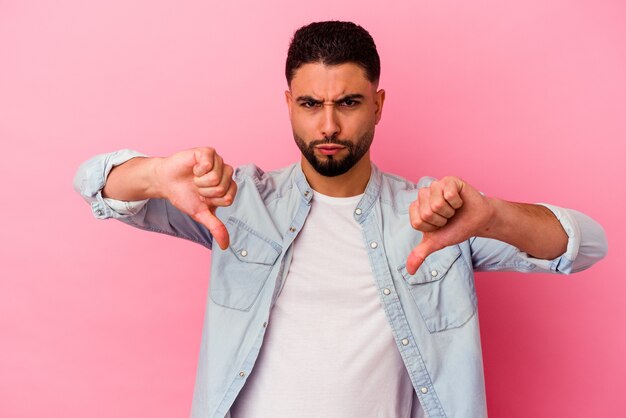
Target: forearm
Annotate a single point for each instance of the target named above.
(450, 211)
(134, 180)
(532, 228)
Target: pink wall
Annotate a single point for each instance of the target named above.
(524, 99)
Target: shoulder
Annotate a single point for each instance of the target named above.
(400, 192)
(268, 184)
(395, 181)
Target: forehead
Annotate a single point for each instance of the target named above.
(330, 81)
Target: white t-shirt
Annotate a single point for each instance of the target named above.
(328, 350)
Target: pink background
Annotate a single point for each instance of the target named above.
(524, 99)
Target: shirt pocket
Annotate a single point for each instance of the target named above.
(443, 289)
(240, 272)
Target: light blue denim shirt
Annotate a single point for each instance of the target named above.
(432, 314)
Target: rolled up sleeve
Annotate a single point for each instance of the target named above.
(586, 245)
(91, 178)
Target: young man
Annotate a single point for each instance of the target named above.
(337, 290)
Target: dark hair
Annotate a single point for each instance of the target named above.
(333, 43)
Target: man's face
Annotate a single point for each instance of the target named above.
(333, 111)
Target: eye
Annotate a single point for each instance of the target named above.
(309, 104)
(349, 103)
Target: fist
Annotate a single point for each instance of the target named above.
(447, 212)
(197, 181)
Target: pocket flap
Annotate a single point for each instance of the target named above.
(434, 267)
(249, 246)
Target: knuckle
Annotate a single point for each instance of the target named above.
(436, 205)
(205, 151)
(449, 195)
(426, 214)
(212, 178)
(228, 200)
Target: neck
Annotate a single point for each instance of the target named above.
(351, 183)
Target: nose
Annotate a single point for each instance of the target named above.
(329, 124)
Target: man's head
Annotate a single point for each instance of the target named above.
(332, 71)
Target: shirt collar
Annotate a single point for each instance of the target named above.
(370, 196)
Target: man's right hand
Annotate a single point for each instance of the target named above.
(197, 181)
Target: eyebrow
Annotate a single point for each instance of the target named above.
(341, 99)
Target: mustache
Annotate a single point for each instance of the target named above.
(327, 141)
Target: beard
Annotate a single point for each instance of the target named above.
(330, 165)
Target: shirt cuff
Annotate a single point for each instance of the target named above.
(99, 168)
(124, 208)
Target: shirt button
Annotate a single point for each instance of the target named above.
(242, 374)
(424, 389)
(292, 229)
(434, 273)
(243, 253)
(358, 211)
(99, 212)
(386, 291)
(306, 193)
(374, 244)
(405, 341)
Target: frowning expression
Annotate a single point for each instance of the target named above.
(333, 112)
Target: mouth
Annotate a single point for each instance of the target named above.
(329, 149)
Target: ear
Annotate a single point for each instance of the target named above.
(379, 101)
(288, 100)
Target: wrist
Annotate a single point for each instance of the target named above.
(495, 223)
(156, 183)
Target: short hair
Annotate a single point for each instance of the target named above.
(333, 43)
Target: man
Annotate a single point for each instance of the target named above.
(337, 290)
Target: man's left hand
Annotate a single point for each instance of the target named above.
(447, 212)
